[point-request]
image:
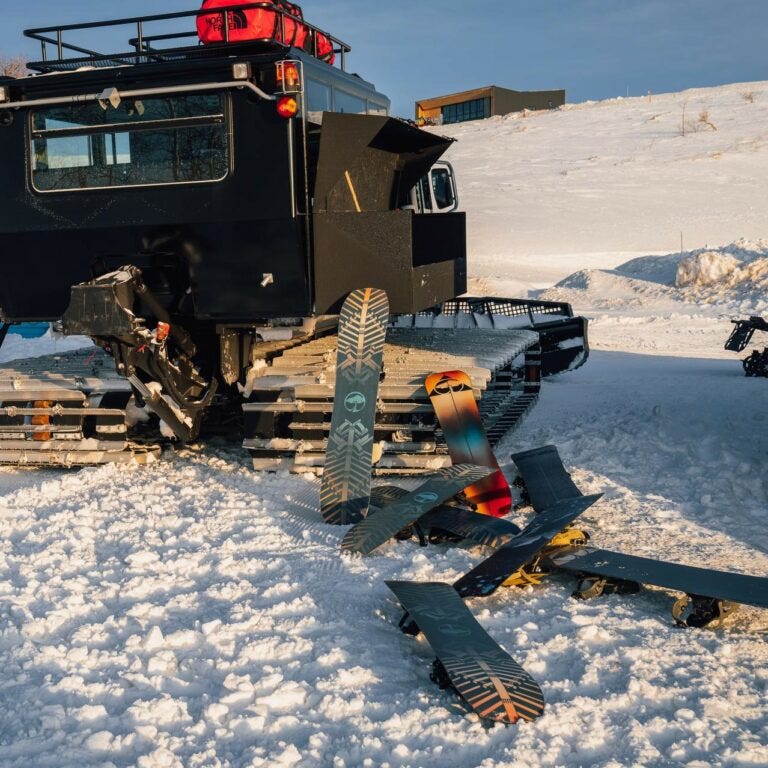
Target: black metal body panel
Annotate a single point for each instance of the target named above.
(226, 234)
(391, 250)
(225, 237)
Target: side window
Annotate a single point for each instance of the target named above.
(442, 188)
(318, 100)
(173, 140)
(348, 103)
(424, 197)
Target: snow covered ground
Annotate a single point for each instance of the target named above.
(194, 613)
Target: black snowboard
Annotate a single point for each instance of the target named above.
(469, 660)
(546, 480)
(346, 483)
(702, 585)
(485, 578)
(382, 524)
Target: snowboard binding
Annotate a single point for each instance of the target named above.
(533, 573)
(699, 612)
(408, 626)
(440, 676)
(593, 586)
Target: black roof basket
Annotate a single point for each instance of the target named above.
(150, 40)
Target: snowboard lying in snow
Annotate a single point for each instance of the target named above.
(455, 406)
(469, 660)
(346, 482)
(485, 578)
(453, 520)
(382, 524)
(710, 595)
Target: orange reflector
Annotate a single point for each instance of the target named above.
(163, 329)
(287, 107)
(42, 421)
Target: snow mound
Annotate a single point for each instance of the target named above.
(705, 268)
(732, 279)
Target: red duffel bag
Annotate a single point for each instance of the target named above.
(260, 23)
(324, 47)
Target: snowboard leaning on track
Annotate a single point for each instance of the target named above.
(456, 409)
(346, 484)
(469, 660)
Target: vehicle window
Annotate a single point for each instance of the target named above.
(441, 186)
(174, 140)
(349, 103)
(426, 198)
(318, 100)
(377, 109)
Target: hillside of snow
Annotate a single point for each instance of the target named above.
(613, 177)
(195, 614)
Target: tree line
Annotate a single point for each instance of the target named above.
(13, 66)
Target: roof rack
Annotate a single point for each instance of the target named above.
(151, 46)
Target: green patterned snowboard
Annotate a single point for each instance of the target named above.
(346, 484)
(469, 660)
(383, 524)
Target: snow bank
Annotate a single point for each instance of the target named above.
(613, 177)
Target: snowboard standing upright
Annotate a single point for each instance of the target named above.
(346, 484)
(469, 660)
(456, 409)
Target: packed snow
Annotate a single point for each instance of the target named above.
(194, 613)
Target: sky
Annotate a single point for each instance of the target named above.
(595, 49)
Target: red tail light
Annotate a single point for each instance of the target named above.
(287, 107)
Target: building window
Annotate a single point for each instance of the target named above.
(174, 140)
(477, 109)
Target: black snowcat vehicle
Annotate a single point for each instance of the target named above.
(199, 205)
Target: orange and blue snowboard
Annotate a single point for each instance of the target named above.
(456, 409)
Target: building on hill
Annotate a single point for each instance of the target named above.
(484, 102)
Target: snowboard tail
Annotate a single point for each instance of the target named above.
(546, 480)
(469, 660)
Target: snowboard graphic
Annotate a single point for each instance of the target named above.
(469, 660)
(382, 524)
(709, 594)
(456, 409)
(346, 482)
